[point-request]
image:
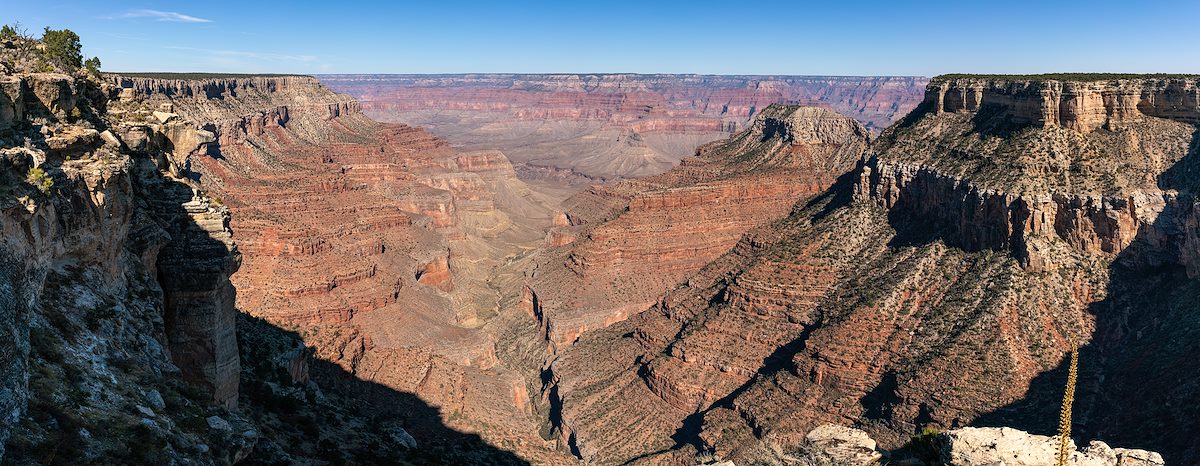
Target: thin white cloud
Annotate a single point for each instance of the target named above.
(245, 54)
(162, 16)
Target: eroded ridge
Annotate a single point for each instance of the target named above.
(941, 284)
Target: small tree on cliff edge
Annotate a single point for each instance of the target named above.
(8, 33)
(63, 45)
(93, 66)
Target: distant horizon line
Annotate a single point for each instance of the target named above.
(489, 73)
(1024, 76)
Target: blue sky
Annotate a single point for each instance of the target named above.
(728, 37)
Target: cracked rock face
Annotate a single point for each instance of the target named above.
(832, 444)
(1003, 445)
(90, 296)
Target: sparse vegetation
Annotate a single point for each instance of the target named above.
(93, 66)
(922, 446)
(8, 33)
(39, 179)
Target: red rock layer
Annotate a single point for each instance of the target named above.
(648, 102)
(660, 230)
(922, 291)
(607, 127)
(364, 238)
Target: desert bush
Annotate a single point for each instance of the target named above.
(39, 179)
(923, 445)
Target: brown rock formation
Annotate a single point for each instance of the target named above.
(611, 126)
(940, 284)
(659, 230)
(375, 241)
(117, 276)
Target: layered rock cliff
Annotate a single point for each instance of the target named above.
(377, 243)
(117, 285)
(621, 247)
(939, 284)
(611, 126)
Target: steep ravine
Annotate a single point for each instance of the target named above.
(122, 202)
(377, 243)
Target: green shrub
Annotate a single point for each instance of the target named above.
(39, 179)
(923, 446)
(63, 45)
(93, 66)
(8, 33)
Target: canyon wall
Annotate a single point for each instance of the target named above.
(659, 230)
(377, 243)
(117, 282)
(939, 284)
(1079, 105)
(611, 126)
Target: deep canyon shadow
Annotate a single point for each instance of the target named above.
(1138, 384)
(193, 261)
(376, 404)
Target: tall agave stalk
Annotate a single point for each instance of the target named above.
(1064, 420)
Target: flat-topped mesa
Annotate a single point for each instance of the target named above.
(1082, 103)
(206, 86)
(1090, 164)
(299, 93)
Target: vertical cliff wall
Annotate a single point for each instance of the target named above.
(117, 277)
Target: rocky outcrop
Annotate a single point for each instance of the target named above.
(1003, 445)
(39, 95)
(1077, 105)
(199, 299)
(611, 126)
(833, 444)
(117, 282)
